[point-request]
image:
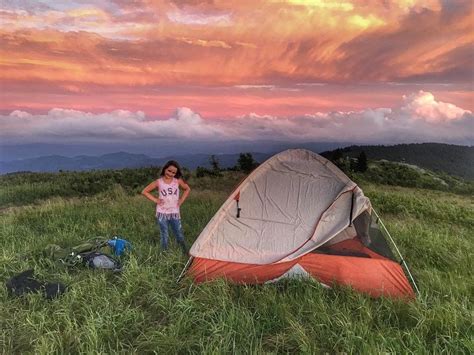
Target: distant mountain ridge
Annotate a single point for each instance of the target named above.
(119, 160)
(451, 159)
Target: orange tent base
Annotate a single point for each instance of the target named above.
(373, 275)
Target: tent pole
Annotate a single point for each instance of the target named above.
(352, 207)
(185, 268)
(398, 251)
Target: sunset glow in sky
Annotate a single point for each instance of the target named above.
(214, 69)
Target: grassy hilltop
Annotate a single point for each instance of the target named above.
(143, 310)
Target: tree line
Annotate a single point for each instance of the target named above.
(245, 163)
(347, 163)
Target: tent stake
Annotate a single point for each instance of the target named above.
(185, 268)
(398, 251)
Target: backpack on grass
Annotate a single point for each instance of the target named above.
(56, 252)
(93, 253)
(119, 246)
(97, 260)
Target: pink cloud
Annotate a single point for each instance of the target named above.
(418, 118)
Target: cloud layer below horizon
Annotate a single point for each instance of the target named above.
(418, 117)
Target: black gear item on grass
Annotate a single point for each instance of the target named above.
(53, 290)
(24, 283)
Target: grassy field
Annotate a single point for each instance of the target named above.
(144, 310)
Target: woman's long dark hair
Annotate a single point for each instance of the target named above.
(179, 173)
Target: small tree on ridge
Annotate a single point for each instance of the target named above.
(362, 162)
(246, 162)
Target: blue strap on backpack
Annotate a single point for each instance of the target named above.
(119, 246)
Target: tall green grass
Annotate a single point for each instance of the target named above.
(144, 310)
(23, 188)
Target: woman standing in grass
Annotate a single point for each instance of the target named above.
(168, 202)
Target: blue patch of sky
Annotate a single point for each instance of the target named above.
(38, 6)
(26, 5)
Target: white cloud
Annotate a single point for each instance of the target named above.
(265, 87)
(423, 105)
(66, 125)
(206, 43)
(311, 84)
(245, 87)
(192, 18)
(419, 118)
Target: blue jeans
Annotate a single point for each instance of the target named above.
(175, 224)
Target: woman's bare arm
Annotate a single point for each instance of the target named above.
(186, 191)
(147, 192)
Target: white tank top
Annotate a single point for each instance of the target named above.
(169, 194)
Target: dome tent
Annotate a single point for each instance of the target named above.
(298, 214)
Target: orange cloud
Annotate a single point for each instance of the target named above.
(289, 40)
(220, 43)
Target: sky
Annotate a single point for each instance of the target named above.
(360, 71)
